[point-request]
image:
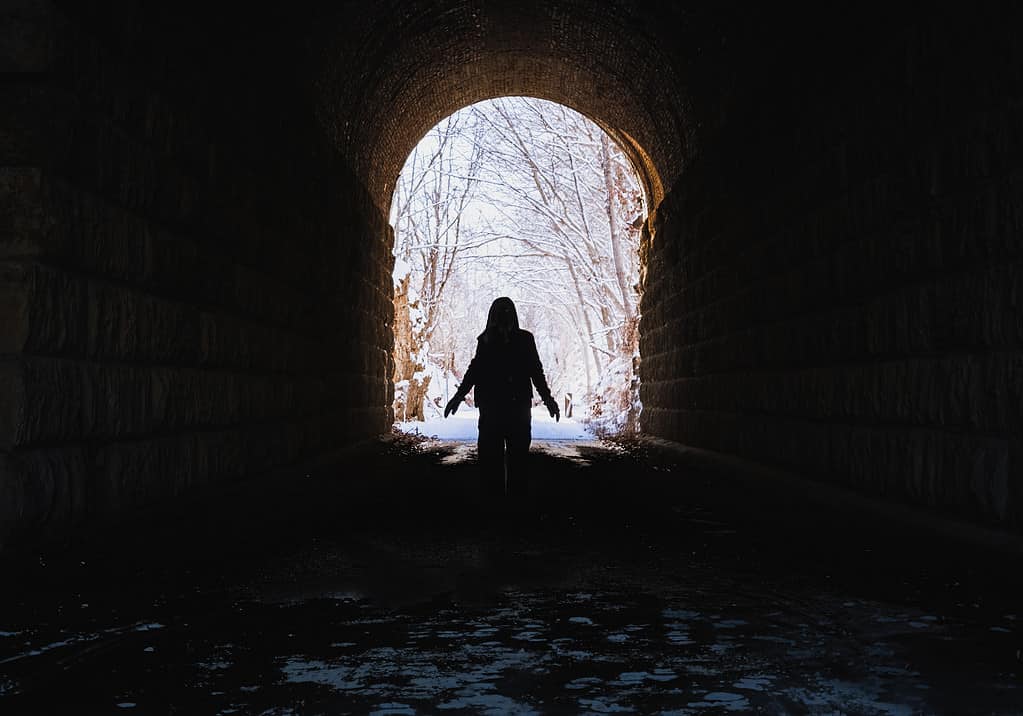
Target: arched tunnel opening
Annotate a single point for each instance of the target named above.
(530, 200)
(204, 506)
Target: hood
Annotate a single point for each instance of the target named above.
(502, 320)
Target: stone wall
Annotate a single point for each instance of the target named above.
(192, 286)
(195, 283)
(836, 285)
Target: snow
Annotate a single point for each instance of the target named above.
(462, 426)
(462, 237)
(614, 404)
(402, 268)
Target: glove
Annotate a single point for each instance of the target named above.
(452, 405)
(552, 408)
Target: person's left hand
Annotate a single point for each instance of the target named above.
(452, 406)
(553, 409)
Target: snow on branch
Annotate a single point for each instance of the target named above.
(524, 198)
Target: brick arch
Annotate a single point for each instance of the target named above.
(428, 62)
(195, 265)
(640, 161)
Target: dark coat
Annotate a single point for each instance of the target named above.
(504, 373)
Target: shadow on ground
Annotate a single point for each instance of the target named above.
(632, 579)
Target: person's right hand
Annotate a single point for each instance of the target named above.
(553, 409)
(452, 406)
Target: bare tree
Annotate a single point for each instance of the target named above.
(431, 199)
(543, 208)
(565, 199)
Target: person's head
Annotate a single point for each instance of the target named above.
(502, 320)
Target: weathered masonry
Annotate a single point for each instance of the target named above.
(195, 258)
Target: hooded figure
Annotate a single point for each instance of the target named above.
(504, 370)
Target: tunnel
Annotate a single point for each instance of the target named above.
(195, 254)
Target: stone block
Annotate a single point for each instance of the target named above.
(42, 492)
(177, 266)
(239, 343)
(43, 310)
(44, 216)
(228, 341)
(15, 306)
(135, 473)
(43, 400)
(31, 33)
(266, 397)
(264, 298)
(221, 455)
(22, 213)
(130, 325)
(189, 398)
(923, 466)
(101, 237)
(988, 479)
(117, 400)
(13, 403)
(34, 125)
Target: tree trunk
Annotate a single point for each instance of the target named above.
(616, 239)
(408, 403)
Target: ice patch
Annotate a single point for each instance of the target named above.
(680, 614)
(774, 639)
(216, 665)
(583, 682)
(848, 697)
(753, 683)
(533, 636)
(604, 708)
(343, 678)
(722, 699)
(638, 677)
(50, 647)
(488, 704)
(679, 637)
(730, 623)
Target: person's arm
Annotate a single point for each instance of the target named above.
(468, 381)
(540, 380)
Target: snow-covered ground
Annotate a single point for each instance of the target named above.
(462, 426)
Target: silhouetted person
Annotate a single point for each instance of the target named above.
(504, 370)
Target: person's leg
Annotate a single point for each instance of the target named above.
(490, 454)
(518, 437)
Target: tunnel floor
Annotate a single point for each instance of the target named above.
(631, 580)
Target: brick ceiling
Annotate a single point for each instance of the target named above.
(389, 71)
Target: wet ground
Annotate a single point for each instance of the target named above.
(633, 580)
